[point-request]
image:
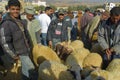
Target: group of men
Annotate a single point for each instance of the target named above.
(19, 34)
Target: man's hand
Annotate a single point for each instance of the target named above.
(16, 58)
(50, 44)
(112, 50)
(108, 52)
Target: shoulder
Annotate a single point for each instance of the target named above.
(55, 21)
(6, 22)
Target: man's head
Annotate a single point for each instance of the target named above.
(115, 14)
(105, 15)
(14, 8)
(61, 13)
(48, 10)
(30, 11)
(87, 10)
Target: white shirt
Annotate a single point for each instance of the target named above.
(44, 22)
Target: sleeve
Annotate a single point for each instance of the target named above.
(101, 38)
(116, 47)
(6, 40)
(65, 33)
(38, 36)
(48, 21)
(49, 36)
(37, 26)
(70, 23)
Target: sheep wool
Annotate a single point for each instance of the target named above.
(51, 70)
(114, 68)
(77, 57)
(93, 60)
(99, 75)
(42, 53)
(77, 44)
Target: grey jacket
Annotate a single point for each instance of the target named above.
(104, 37)
(12, 39)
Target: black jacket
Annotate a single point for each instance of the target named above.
(12, 39)
(53, 26)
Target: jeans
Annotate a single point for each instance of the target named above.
(27, 67)
(74, 33)
(55, 41)
(44, 39)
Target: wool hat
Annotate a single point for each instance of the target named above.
(106, 13)
(30, 10)
(61, 11)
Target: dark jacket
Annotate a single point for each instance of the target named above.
(104, 36)
(13, 40)
(52, 28)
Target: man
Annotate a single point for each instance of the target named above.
(85, 20)
(14, 39)
(94, 30)
(57, 31)
(44, 23)
(33, 25)
(109, 36)
(68, 20)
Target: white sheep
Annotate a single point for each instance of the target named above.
(42, 53)
(51, 70)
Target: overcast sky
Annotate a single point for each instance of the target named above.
(82, 0)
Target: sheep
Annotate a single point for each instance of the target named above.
(93, 60)
(99, 75)
(114, 65)
(114, 68)
(52, 70)
(64, 49)
(77, 57)
(14, 73)
(77, 44)
(42, 53)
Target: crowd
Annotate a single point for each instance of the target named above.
(19, 33)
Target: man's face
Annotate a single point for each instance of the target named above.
(14, 11)
(50, 12)
(61, 16)
(30, 16)
(104, 17)
(115, 19)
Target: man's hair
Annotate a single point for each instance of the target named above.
(87, 9)
(115, 11)
(47, 8)
(6, 7)
(14, 3)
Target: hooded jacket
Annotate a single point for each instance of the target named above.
(13, 40)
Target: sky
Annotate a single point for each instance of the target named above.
(83, 0)
(89, 0)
